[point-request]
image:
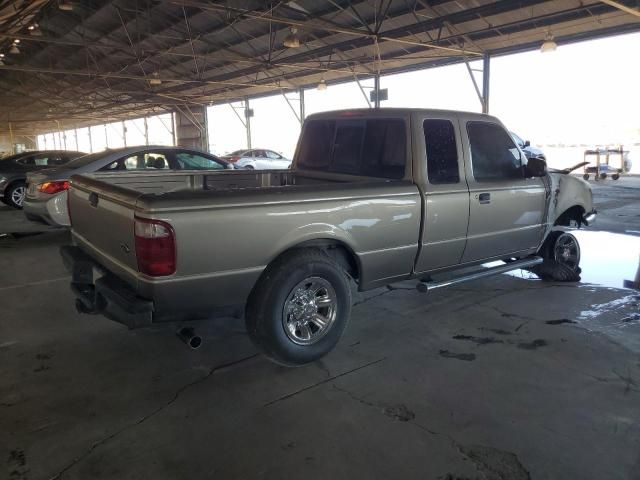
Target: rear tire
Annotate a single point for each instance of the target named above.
(14, 195)
(586, 176)
(561, 254)
(299, 308)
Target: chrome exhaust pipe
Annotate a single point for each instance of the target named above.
(189, 337)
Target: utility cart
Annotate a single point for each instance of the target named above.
(602, 167)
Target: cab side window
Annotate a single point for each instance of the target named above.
(442, 152)
(494, 155)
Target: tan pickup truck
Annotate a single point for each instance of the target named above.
(376, 196)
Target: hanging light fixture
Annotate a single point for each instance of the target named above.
(292, 40)
(322, 86)
(14, 47)
(66, 6)
(549, 44)
(34, 30)
(155, 80)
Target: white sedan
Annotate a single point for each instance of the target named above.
(257, 159)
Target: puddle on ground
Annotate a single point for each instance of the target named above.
(607, 259)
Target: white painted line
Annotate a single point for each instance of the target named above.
(31, 284)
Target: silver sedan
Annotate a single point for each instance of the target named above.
(46, 197)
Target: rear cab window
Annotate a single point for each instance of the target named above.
(442, 152)
(374, 147)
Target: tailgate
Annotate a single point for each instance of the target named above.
(102, 216)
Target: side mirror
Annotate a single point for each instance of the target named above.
(527, 143)
(536, 167)
(230, 166)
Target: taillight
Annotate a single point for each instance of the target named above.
(53, 187)
(155, 247)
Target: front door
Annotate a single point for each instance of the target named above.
(445, 191)
(506, 209)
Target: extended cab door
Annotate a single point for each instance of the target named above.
(445, 192)
(506, 209)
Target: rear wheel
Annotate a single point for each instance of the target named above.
(561, 253)
(586, 176)
(14, 195)
(299, 308)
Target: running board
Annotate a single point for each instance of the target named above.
(485, 272)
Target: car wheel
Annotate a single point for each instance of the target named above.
(561, 254)
(615, 176)
(603, 176)
(299, 308)
(249, 167)
(15, 194)
(586, 176)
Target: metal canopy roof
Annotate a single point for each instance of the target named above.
(116, 59)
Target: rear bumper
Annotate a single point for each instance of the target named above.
(590, 217)
(51, 211)
(98, 291)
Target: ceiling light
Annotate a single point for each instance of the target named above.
(155, 80)
(66, 6)
(14, 49)
(16, 41)
(322, 86)
(34, 30)
(1, 55)
(549, 44)
(292, 40)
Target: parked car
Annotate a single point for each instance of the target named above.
(378, 196)
(14, 170)
(46, 196)
(529, 151)
(258, 159)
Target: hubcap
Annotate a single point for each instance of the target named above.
(567, 251)
(17, 196)
(309, 311)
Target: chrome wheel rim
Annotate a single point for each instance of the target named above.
(17, 196)
(567, 251)
(309, 311)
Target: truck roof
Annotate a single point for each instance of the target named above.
(382, 112)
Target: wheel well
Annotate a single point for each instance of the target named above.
(13, 182)
(574, 213)
(336, 250)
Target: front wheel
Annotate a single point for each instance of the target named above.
(299, 308)
(561, 253)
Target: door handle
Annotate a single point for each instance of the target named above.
(484, 198)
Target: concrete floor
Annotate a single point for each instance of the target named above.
(505, 378)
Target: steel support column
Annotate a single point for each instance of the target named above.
(247, 117)
(376, 90)
(486, 78)
(302, 112)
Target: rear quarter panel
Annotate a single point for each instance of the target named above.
(225, 240)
